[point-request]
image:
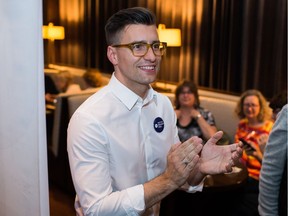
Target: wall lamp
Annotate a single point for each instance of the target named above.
(171, 36)
(52, 33)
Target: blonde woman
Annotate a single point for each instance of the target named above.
(253, 129)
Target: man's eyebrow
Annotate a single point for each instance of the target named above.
(143, 41)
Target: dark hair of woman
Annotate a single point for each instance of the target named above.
(192, 87)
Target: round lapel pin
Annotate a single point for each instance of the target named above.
(158, 125)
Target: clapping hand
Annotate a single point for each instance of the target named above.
(216, 159)
(182, 159)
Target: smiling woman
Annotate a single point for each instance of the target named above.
(255, 122)
(192, 119)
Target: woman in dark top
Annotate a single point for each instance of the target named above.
(192, 119)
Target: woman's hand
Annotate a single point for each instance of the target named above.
(195, 113)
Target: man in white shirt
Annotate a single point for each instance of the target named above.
(124, 151)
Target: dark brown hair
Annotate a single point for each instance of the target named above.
(192, 87)
(117, 22)
(279, 100)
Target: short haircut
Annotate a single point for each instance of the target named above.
(117, 22)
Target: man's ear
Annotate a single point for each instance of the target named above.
(112, 55)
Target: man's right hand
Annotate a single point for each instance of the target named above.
(181, 160)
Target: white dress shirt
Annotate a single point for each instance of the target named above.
(116, 142)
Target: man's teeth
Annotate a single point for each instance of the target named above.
(148, 67)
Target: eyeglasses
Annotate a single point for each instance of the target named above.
(248, 105)
(140, 49)
(186, 92)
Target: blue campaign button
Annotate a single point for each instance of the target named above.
(158, 125)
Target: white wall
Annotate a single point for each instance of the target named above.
(23, 156)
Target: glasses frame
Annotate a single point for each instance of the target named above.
(131, 45)
(186, 92)
(248, 105)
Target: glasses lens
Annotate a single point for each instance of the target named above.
(158, 48)
(251, 105)
(140, 49)
(186, 92)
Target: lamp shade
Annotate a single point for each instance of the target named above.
(171, 36)
(52, 32)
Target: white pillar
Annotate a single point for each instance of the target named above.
(23, 149)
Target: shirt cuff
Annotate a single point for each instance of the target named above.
(136, 197)
(193, 189)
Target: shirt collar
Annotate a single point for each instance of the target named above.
(128, 97)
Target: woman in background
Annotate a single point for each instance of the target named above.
(65, 84)
(50, 89)
(192, 119)
(93, 79)
(277, 102)
(255, 121)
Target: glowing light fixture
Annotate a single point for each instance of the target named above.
(170, 35)
(52, 32)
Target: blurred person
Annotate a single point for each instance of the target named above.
(93, 79)
(51, 92)
(50, 89)
(255, 121)
(64, 83)
(273, 174)
(123, 146)
(192, 119)
(277, 102)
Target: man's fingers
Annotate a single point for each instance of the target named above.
(193, 145)
(216, 137)
(193, 141)
(190, 166)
